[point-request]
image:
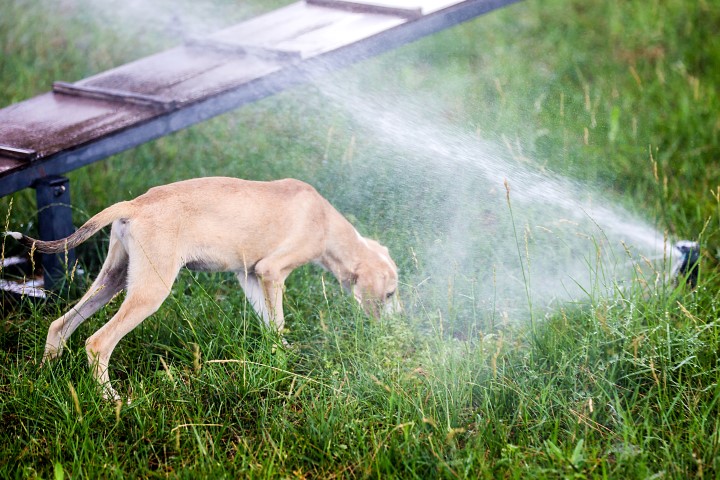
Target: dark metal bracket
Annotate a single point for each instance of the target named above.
(54, 223)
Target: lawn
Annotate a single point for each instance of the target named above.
(529, 171)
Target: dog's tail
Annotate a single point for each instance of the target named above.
(90, 228)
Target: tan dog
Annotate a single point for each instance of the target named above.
(261, 231)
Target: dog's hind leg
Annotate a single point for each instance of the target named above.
(108, 283)
(149, 283)
(255, 294)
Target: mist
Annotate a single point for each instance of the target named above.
(508, 239)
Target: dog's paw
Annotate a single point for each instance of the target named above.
(283, 344)
(109, 394)
(49, 357)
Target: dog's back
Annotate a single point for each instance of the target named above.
(227, 222)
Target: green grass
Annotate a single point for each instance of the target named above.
(620, 95)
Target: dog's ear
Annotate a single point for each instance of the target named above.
(357, 293)
(357, 285)
(349, 282)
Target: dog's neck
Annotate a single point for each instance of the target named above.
(344, 248)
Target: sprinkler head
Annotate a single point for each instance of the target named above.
(688, 262)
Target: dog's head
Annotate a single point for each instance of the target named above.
(376, 281)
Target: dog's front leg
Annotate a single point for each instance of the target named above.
(274, 297)
(265, 297)
(272, 272)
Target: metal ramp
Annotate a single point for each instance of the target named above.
(82, 122)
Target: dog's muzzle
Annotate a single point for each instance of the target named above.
(392, 306)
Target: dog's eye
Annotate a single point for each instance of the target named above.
(390, 294)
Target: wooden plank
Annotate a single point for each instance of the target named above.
(424, 6)
(340, 34)
(309, 29)
(184, 74)
(51, 122)
(113, 95)
(244, 50)
(224, 77)
(409, 12)
(17, 153)
(153, 74)
(270, 30)
(279, 25)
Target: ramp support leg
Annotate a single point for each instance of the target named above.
(54, 223)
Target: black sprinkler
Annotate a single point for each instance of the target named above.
(688, 262)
